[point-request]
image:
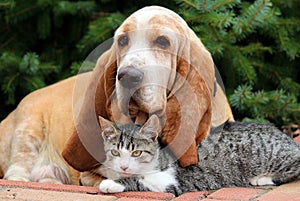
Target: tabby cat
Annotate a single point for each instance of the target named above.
(235, 154)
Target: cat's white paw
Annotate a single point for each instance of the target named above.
(261, 181)
(110, 186)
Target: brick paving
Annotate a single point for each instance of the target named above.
(30, 191)
(236, 194)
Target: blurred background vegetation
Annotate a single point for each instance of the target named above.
(255, 45)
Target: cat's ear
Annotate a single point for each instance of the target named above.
(107, 127)
(151, 127)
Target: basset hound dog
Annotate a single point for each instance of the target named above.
(156, 65)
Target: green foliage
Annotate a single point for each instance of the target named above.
(254, 43)
(21, 75)
(275, 106)
(100, 30)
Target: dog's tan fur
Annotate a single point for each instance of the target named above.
(34, 135)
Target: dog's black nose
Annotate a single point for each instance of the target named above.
(130, 77)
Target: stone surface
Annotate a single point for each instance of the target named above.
(286, 192)
(17, 193)
(236, 193)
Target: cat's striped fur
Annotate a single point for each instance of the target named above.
(238, 154)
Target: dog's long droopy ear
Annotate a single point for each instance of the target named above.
(84, 149)
(221, 111)
(192, 95)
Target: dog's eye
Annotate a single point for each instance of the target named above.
(123, 41)
(162, 42)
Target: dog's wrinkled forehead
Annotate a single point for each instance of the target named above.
(153, 17)
(154, 28)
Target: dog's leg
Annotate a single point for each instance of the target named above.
(51, 174)
(91, 178)
(49, 166)
(25, 145)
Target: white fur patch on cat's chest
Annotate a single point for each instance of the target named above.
(160, 181)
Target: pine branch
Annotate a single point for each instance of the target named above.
(225, 4)
(187, 4)
(254, 48)
(29, 64)
(287, 44)
(290, 86)
(33, 83)
(100, 30)
(21, 73)
(86, 66)
(44, 25)
(220, 20)
(20, 12)
(8, 87)
(261, 104)
(255, 16)
(243, 67)
(7, 3)
(84, 8)
(240, 96)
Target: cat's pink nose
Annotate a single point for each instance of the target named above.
(124, 168)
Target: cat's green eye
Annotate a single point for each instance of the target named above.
(136, 153)
(115, 152)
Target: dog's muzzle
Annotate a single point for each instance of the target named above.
(142, 89)
(130, 77)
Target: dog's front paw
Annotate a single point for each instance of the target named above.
(110, 186)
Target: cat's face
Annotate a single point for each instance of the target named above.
(130, 149)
